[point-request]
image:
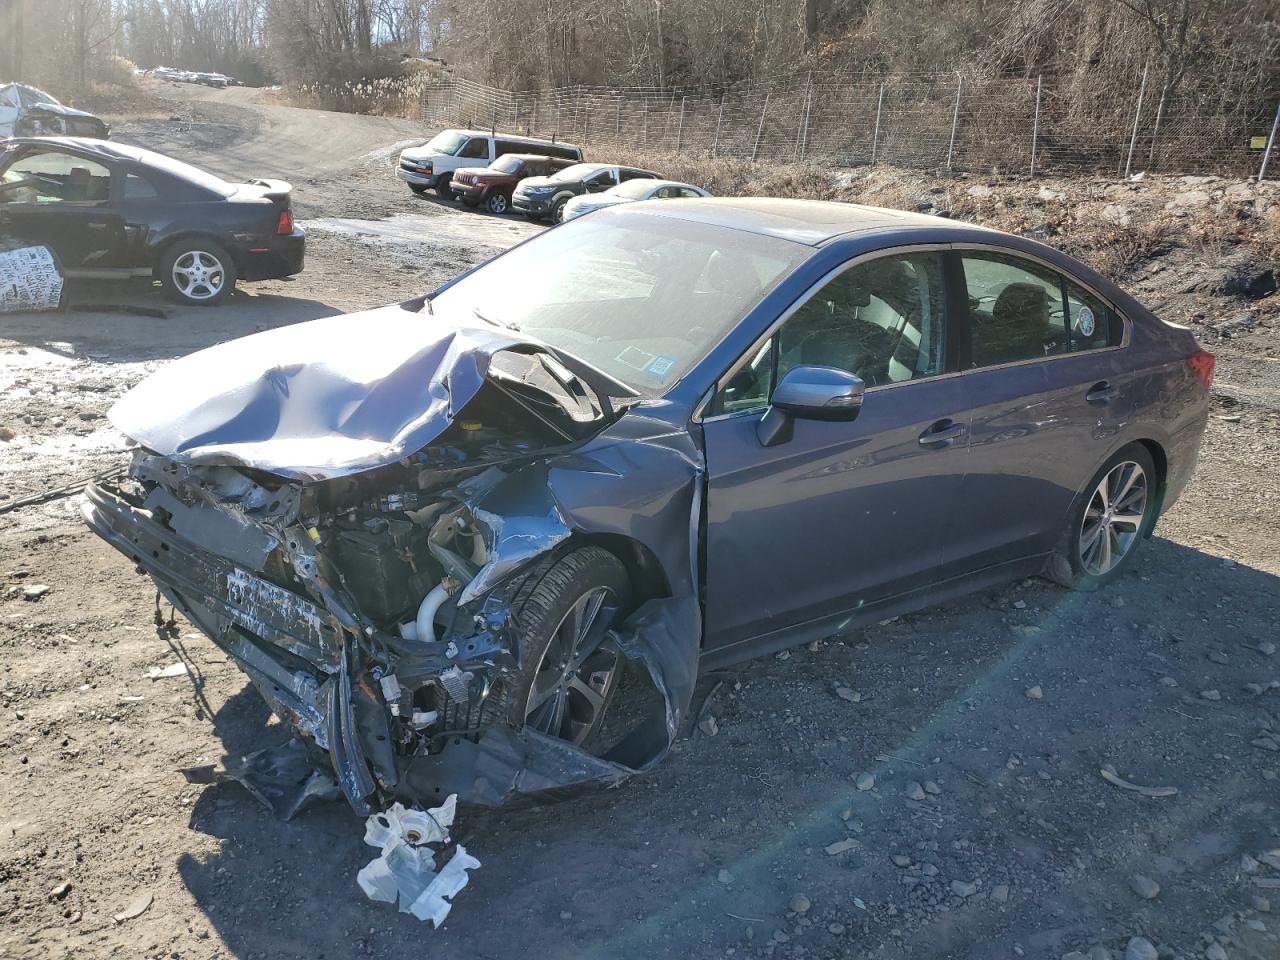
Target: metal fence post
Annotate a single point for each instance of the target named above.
(680, 126)
(802, 138)
(1035, 127)
(1137, 116)
(617, 118)
(875, 137)
(645, 141)
(534, 128)
(955, 120)
(755, 151)
(1271, 142)
(715, 146)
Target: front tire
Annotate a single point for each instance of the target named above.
(557, 210)
(1112, 516)
(569, 668)
(497, 202)
(444, 186)
(418, 188)
(197, 272)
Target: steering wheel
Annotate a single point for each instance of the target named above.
(16, 184)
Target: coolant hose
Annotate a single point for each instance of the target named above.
(425, 622)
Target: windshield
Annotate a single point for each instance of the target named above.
(576, 172)
(448, 142)
(641, 298)
(507, 164)
(184, 171)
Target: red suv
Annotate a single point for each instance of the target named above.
(493, 185)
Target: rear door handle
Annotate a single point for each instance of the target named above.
(1101, 392)
(942, 434)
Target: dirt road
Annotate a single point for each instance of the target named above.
(762, 840)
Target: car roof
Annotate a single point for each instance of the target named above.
(107, 149)
(811, 222)
(517, 137)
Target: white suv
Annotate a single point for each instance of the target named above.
(432, 165)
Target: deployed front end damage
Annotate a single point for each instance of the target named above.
(355, 530)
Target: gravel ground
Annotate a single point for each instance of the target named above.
(929, 787)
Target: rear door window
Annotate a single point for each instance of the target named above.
(510, 146)
(1015, 309)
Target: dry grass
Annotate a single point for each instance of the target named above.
(1075, 214)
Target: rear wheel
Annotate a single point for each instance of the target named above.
(197, 271)
(1113, 514)
(444, 186)
(570, 668)
(497, 202)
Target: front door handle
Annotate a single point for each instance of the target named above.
(1101, 392)
(942, 434)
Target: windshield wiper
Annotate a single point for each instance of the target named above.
(496, 323)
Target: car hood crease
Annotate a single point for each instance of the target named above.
(316, 400)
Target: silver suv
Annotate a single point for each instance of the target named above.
(432, 165)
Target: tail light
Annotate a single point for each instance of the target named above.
(1201, 363)
(284, 227)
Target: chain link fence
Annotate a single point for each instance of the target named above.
(947, 122)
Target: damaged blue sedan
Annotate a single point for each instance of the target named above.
(440, 536)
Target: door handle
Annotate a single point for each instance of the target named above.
(1101, 392)
(942, 434)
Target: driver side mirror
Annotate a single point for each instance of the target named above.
(810, 393)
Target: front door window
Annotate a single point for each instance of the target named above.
(50, 176)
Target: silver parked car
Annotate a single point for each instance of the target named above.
(631, 191)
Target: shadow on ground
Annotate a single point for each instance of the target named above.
(128, 322)
(1024, 843)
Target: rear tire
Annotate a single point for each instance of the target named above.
(444, 186)
(565, 685)
(198, 272)
(1111, 517)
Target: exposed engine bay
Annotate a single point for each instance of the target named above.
(375, 609)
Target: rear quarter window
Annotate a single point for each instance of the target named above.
(1092, 324)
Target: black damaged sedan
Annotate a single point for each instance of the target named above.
(442, 536)
(111, 211)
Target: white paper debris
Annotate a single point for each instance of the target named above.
(172, 670)
(29, 280)
(405, 869)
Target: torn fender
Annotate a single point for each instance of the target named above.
(510, 766)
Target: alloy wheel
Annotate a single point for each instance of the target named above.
(577, 673)
(1113, 519)
(198, 275)
(498, 203)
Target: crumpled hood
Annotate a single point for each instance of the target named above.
(315, 400)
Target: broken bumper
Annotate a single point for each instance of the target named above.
(312, 664)
(258, 624)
